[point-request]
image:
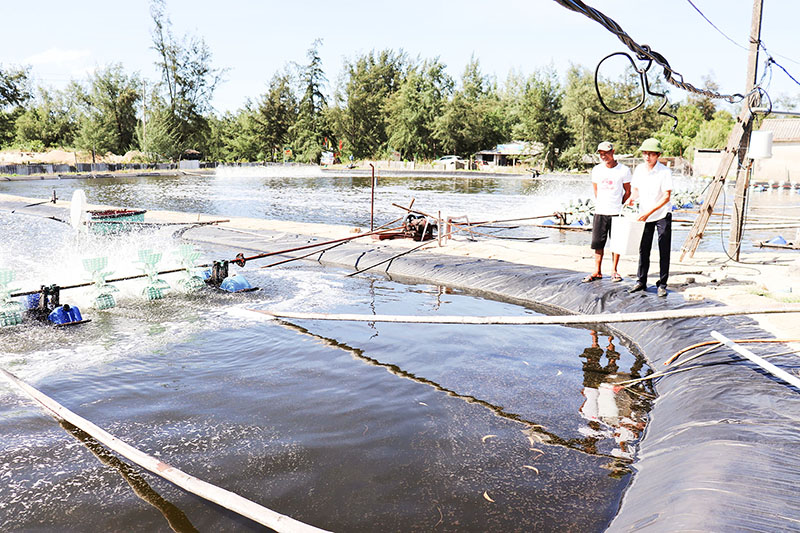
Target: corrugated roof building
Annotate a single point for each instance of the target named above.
(784, 130)
(784, 165)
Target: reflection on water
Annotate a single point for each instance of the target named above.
(176, 518)
(611, 412)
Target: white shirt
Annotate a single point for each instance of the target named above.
(652, 186)
(609, 183)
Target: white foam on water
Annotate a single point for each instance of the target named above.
(269, 171)
(313, 289)
(45, 253)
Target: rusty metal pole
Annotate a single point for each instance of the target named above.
(372, 204)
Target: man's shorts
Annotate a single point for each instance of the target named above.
(601, 229)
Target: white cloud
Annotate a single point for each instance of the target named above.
(57, 55)
(83, 72)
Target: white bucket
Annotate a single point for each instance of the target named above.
(760, 145)
(626, 234)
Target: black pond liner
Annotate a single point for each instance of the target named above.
(721, 451)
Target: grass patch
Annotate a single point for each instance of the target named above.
(787, 298)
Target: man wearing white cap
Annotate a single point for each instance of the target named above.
(611, 182)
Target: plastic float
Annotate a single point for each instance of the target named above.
(217, 277)
(103, 297)
(156, 287)
(780, 243)
(10, 310)
(193, 280)
(46, 306)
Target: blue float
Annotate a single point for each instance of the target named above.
(236, 284)
(65, 314)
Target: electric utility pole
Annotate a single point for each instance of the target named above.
(743, 170)
(738, 141)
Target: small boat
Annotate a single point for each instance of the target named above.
(113, 221)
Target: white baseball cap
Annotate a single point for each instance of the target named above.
(605, 146)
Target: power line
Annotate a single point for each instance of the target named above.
(760, 44)
(715, 26)
(644, 52)
(785, 71)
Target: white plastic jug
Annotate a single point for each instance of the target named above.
(626, 234)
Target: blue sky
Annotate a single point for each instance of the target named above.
(67, 40)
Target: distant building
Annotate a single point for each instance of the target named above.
(509, 154)
(706, 162)
(782, 167)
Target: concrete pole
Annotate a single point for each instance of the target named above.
(743, 171)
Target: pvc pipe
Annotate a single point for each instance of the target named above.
(534, 320)
(220, 496)
(760, 361)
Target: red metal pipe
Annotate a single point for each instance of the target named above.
(372, 204)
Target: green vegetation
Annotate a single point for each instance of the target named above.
(385, 104)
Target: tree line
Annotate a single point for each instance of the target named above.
(385, 104)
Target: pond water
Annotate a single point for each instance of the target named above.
(349, 427)
(310, 194)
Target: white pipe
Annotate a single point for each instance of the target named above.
(760, 361)
(220, 496)
(531, 320)
(766, 110)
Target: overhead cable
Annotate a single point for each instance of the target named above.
(715, 26)
(644, 52)
(734, 42)
(761, 45)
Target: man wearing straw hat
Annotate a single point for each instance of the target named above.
(611, 182)
(652, 184)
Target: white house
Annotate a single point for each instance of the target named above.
(509, 153)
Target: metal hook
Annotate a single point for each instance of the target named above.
(642, 79)
(645, 85)
(664, 103)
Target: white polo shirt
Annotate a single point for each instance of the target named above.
(652, 185)
(610, 189)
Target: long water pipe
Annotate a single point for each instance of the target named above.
(187, 482)
(670, 314)
(766, 365)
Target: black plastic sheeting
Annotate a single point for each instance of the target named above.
(721, 451)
